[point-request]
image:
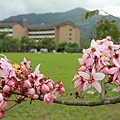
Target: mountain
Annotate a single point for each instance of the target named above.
(73, 15)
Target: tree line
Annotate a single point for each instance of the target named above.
(9, 44)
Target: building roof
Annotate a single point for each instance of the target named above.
(66, 23)
(35, 26)
(12, 23)
(41, 26)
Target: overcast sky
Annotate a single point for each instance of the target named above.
(16, 7)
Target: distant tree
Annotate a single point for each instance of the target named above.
(24, 43)
(48, 43)
(38, 45)
(61, 46)
(107, 28)
(104, 26)
(31, 44)
(2, 36)
(10, 44)
(72, 47)
(83, 45)
(27, 43)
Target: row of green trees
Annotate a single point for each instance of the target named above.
(9, 44)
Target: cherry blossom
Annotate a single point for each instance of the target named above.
(26, 63)
(115, 70)
(78, 82)
(100, 61)
(92, 80)
(36, 75)
(48, 98)
(59, 89)
(21, 79)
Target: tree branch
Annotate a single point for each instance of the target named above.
(110, 14)
(113, 100)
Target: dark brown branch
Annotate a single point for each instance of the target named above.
(113, 100)
(110, 15)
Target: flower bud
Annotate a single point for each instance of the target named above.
(1, 97)
(1, 114)
(44, 89)
(50, 85)
(60, 83)
(6, 89)
(108, 38)
(62, 90)
(48, 98)
(27, 84)
(83, 68)
(105, 70)
(35, 96)
(31, 91)
(3, 105)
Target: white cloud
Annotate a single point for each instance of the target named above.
(11, 7)
(15, 7)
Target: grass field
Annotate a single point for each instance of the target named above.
(59, 67)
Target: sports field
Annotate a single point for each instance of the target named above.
(59, 67)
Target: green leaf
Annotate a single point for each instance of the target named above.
(83, 16)
(113, 21)
(97, 12)
(87, 14)
(91, 13)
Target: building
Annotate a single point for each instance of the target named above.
(15, 29)
(39, 31)
(66, 31)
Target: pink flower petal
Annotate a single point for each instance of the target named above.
(116, 62)
(90, 61)
(93, 71)
(80, 60)
(80, 88)
(93, 43)
(77, 83)
(115, 75)
(118, 75)
(37, 69)
(99, 76)
(113, 70)
(118, 89)
(84, 75)
(86, 86)
(97, 86)
(118, 52)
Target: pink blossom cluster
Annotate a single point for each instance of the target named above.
(21, 79)
(101, 59)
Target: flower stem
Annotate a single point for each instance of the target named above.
(102, 94)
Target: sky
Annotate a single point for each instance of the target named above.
(16, 7)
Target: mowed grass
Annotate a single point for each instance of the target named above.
(59, 67)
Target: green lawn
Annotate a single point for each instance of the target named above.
(59, 67)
